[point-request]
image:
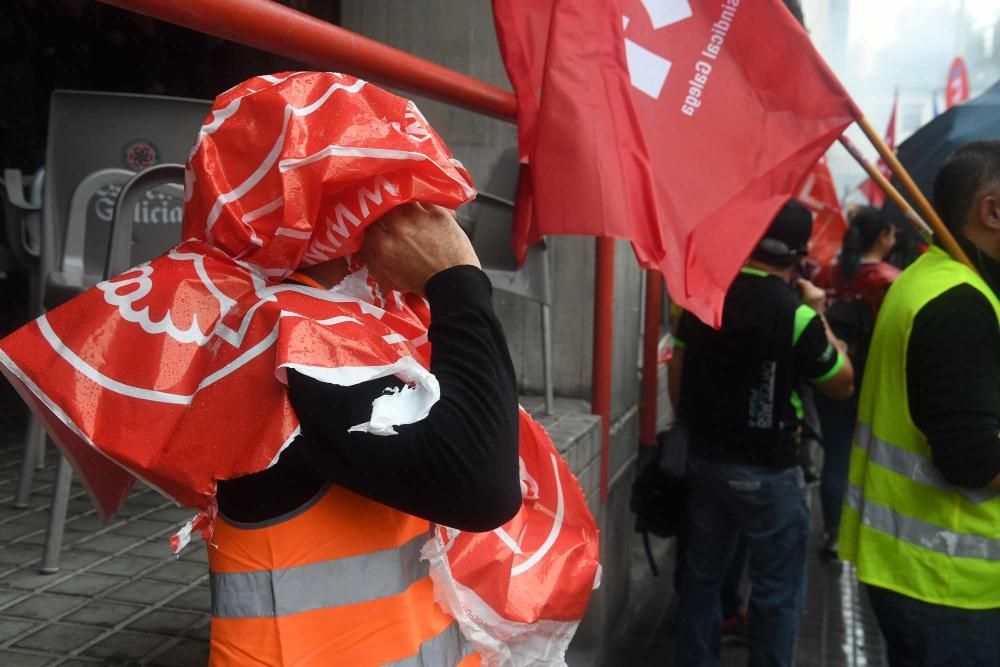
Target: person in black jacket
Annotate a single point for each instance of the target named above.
(738, 400)
(457, 467)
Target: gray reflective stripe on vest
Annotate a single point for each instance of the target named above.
(332, 583)
(928, 536)
(912, 465)
(444, 650)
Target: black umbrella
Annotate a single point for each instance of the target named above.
(925, 150)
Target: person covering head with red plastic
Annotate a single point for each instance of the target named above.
(293, 386)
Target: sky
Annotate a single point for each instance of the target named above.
(875, 24)
(870, 18)
(907, 44)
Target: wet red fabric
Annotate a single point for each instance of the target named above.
(555, 518)
(174, 371)
(519, 591)
(667, 124)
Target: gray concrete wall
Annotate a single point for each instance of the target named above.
(572, 263)
(460, 35)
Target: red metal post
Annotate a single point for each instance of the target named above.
(604, 286)
(268, 26)
(650, 357)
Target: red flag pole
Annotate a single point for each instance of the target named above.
(879, 178)
(650, 358)
(924, 206)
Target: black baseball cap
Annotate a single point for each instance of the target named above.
(786, 241)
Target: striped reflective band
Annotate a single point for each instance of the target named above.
(332, 583)
(928, 536)
(912, 465)
(446, 649)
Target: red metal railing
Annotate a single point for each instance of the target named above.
(271, 27)
(604, 288)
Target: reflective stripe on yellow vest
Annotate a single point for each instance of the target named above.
(339, 582)
(903, 525)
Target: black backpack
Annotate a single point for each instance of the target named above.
(852, 321)
(658, 501)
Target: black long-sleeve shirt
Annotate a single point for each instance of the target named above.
(953, 379)
(457, 467)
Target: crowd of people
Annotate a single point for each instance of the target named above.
(906, 377)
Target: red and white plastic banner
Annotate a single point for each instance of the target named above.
(519, 592)
(174, 372)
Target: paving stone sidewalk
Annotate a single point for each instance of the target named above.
(120, 598)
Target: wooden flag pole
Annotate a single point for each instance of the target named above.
(924, 206)
(876, 175)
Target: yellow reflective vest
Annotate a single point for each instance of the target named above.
(905, 528)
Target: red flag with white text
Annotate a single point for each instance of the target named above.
(668, 124)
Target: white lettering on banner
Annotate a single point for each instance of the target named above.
(703, 68)
(337, 231)
(648, 70)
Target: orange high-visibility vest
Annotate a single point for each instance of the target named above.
(337, 582)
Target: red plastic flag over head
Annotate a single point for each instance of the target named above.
(142, 372)
(174, 372)
(291, 168)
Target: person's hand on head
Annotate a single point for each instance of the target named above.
(412, 243)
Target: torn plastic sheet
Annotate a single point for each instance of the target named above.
(173, 372)
(519, 592)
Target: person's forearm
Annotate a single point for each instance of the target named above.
(457, 466)
(832, 337)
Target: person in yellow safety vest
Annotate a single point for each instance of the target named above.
(921, 515)
(315, 561)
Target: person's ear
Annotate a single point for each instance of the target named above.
(988, 209)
